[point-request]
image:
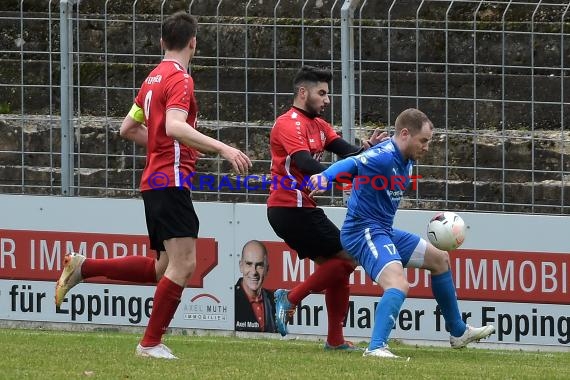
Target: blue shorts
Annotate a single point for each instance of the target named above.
(374, 248)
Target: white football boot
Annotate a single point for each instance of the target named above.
(70, 276)
(471, 334)
(159, 351)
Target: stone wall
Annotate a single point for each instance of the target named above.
(108, 167)
(490, 111)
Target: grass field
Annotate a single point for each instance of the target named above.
(38, 354)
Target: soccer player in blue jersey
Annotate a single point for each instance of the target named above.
(384, 251)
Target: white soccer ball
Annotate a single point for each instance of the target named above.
(446, 231)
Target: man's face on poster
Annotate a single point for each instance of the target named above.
(253, 266)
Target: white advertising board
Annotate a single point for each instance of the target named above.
(512, 271)
(41, 230)
(515, 280)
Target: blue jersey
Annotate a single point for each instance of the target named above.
(381, 177)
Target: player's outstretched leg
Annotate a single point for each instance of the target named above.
(284, 311)
(70, 276)
(471, 334)
(461, 334)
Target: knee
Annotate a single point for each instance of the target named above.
(404, 286)
(349, 266)
(345, 269)
(398, 282)
(189, 265)
(440, 263)
(159, 269)
(182, 267)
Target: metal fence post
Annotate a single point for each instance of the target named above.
(66, 91)
(347, 71)
(347, 67)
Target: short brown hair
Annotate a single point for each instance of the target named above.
(413, 120)
(178, 29)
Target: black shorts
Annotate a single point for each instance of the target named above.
(169, 214)
(307, 230)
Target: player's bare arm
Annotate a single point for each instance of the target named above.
(177, 128)
(133, 128)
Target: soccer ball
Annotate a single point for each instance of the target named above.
(446, 231)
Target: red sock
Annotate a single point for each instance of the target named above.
(129, 268)
(336, 299)
(166, 300)
(330, 273)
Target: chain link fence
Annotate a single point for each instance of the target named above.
(492, 75)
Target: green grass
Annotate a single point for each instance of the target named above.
(37, 354)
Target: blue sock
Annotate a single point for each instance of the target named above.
(387, 312)
(444, 292)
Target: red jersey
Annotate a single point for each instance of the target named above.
(168, 86)
(292, 132)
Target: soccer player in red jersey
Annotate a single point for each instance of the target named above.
(163, 119)
(298, 139)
